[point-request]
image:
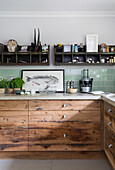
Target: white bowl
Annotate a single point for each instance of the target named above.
(74, 90)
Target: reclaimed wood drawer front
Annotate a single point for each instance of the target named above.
(71, 130)
(48, 139)
(13, 130)
(64, 119)
(13, 140)
(110, 141)
(110, 109)
(109, 121)
(64, 105)
(13, 105)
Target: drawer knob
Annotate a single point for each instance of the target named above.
(64, 135)
(110, 110)
(64, 116)
(110, 123)
(110, 146)
(64, 105)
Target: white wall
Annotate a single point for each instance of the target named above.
(66, 30)
(56, 28)
(57, 5)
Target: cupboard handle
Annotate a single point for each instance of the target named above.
(109, 110)
(64, 116)
(64, 105)
(110, 146)
(110, 123)
(64, 135)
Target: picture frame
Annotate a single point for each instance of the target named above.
(92, 43)
(48, 80)
(67, 48)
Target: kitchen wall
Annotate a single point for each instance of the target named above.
(104, 79)
(60, 22)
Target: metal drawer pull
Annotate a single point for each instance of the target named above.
(64, 116)
(64, 105)
(110, 110)
(110, 146)
(110, 123)
(64, 135)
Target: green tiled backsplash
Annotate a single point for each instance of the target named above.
(103, 79)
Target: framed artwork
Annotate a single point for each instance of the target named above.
(43, 80)
(67, 48)
(92, 42)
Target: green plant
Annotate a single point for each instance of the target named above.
(3, 83)
(8, 84)
(17, 83)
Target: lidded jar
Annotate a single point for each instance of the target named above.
(103, 48)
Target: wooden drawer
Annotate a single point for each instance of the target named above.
(13, 130)
(66, 139)
(109, 109)
(65, 119)
(13, 120)
(64, 105)
(109, 121)
(64, 130)
(13, 105)
(14, 140)
(110, 141)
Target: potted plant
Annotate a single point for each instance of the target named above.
(2, 86)
(9, 87)
(17, 83)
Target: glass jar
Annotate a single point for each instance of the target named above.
(103, 48)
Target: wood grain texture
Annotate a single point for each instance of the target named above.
(59, 105)
(102, 124)
(50, 130)
(109, 133)
(110, 139)
(64, 119)
(53, 155)
(54, 140)
(13, 105)
(109, 118)
(13, 130)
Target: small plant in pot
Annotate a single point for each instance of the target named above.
(2, 86)
(17, 83)
(9, 87)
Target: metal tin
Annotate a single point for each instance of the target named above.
(75, 48)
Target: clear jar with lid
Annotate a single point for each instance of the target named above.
(103, 48)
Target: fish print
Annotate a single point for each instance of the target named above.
(44, 82)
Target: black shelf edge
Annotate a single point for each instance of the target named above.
(111, 64)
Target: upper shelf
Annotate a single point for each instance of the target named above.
(29, 57)
(68, 56)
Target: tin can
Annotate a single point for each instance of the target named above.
(67, 86)
(71, 84)
(75, 48)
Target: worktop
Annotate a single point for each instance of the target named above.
(55, 96)
(110, 98)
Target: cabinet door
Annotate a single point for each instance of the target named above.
(64, 105)
(64, 131)
(13, 126)
(109, 132)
